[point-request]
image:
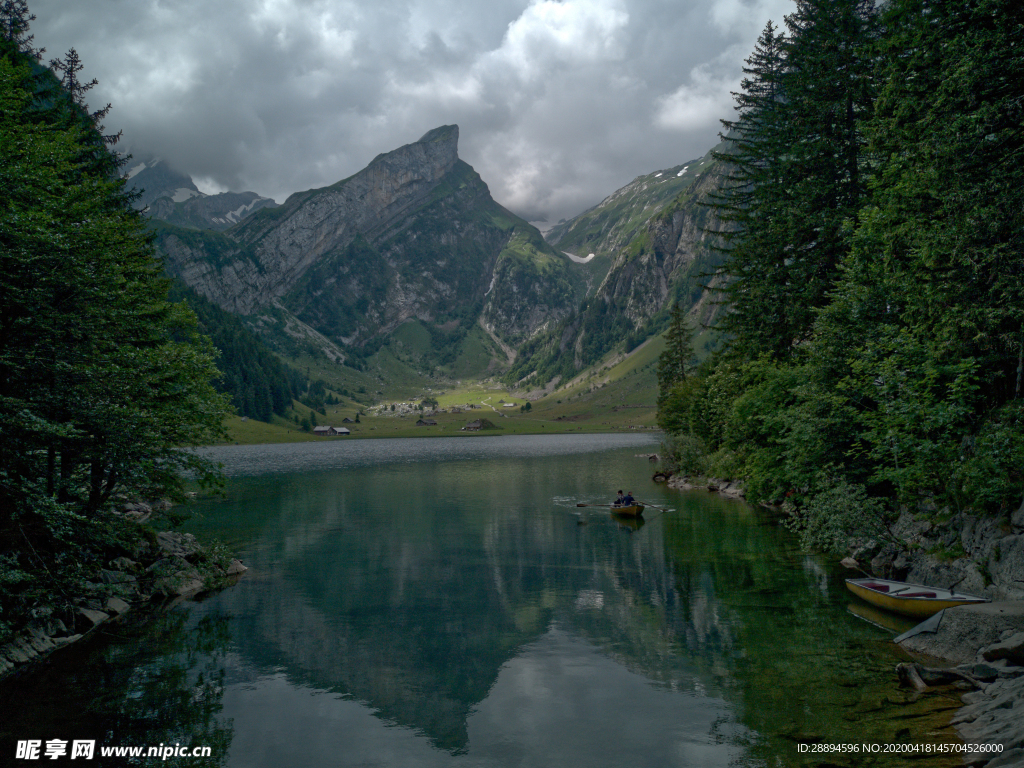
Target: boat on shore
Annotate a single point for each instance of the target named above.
(914, 600)
(628, 510)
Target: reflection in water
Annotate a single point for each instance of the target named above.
(161, 683)
(406, 611)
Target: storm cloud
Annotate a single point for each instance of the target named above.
(558, 103)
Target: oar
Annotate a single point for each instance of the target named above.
(595, 505)
(662, 510)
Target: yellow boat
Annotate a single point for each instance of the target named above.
(628, 510)
(914, 600)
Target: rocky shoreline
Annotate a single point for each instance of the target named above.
(986, 642)
(163, 569)
(979, 556)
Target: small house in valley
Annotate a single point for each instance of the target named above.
(330, 431)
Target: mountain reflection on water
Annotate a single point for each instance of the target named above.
(445, 603)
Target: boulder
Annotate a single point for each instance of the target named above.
(1006, 564)
(39, 640)
(984, 673)
(88, 618)
(1001, 726)
(1011, 758)
(733, 490)
(963, 630)
(177, 544)
(175, 577)
(125, 564)
(47, 626)
(15, 653)
(117, 606)
(961, 574)
(235, 568)
(1017, 521)
(138, 511)
(1011, 649)
(111, 577)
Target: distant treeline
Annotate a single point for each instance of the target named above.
(255, 379)
(875, 334)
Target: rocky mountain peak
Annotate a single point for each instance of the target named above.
(410, 167)
(442, 134)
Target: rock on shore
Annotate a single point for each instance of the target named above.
(732, 489)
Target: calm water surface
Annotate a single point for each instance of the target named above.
(444, 602)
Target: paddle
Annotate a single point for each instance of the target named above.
(663, 511)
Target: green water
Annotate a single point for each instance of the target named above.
(446, 603)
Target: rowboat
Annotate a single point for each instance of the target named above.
(914, 600)
(628, 510)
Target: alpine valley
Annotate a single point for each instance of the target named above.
(408, 275)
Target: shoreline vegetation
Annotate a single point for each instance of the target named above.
(157, 571)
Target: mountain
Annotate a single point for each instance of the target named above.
(173, 197)
(657, 234)
(411, 249)
(599, 233)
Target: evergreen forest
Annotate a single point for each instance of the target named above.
(258, 384)
(874, 337)
(103, 379)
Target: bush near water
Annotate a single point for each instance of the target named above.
(874, 344)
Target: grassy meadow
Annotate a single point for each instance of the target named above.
(617, 395)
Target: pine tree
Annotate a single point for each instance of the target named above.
(828, 93)
(674, 362)
(15, 20)
(674, 367)
(752, 201)
(796, 151)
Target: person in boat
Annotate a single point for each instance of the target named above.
(619, 499)
(628, 500)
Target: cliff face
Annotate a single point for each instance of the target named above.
(413, 236)
(661, 257)
(658, 250)
(603, 231)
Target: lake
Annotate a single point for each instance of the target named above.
(445, 602)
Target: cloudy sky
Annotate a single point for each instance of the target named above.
(558, 103)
